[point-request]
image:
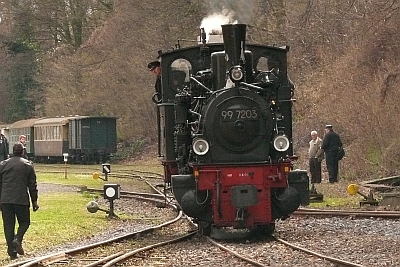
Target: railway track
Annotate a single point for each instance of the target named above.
(311, 212)
(260, 262)
(332, 259)
(348, 213)
(327, 259)
(106, 253)
(135, 253)
(77, 255)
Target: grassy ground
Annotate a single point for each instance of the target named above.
(62, 217)
(335, 196)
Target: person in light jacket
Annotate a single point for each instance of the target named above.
(316, 155)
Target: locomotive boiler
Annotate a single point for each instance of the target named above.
(225, 132)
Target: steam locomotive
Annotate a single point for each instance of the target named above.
(225, 132)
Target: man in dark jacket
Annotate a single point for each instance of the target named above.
(155, 67)
(17, 178)
(3, 147)
(330, 145)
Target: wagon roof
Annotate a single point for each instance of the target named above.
(93, 117)
(5, 126)
(57, 120)
(24, 123)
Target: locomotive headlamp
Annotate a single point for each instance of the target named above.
(236, 73)
(281, 143)
(200, 146)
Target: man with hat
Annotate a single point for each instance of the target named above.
(18, 187)
(331, 145)
(155, 67)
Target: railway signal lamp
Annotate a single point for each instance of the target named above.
(353, 189)
(112, 192)
(106, 170)
(65, 155)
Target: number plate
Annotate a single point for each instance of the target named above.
(239, 114)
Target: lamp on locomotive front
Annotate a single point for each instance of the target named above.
(281, 143)
(200, 146)
(236, 73)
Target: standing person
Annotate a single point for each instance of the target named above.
(22, 140)
(155, 67)
(18, 187)
(330, 145)
(3, 147)
(316, 155)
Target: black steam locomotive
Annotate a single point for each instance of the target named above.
(225, 132)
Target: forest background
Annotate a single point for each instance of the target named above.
(89, 57)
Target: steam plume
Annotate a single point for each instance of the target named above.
(212, 23)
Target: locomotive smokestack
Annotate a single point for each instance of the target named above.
(234, 41)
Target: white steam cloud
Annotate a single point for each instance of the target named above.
(240, 10)
(212, 23)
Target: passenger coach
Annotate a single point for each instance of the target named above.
(23, 127)
(84, 139)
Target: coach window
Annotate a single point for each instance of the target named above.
(53, 132)
(179, 74)
(42, 133)
(58, 133)
(48, 133)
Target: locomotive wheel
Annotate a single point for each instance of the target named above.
(205, 228)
